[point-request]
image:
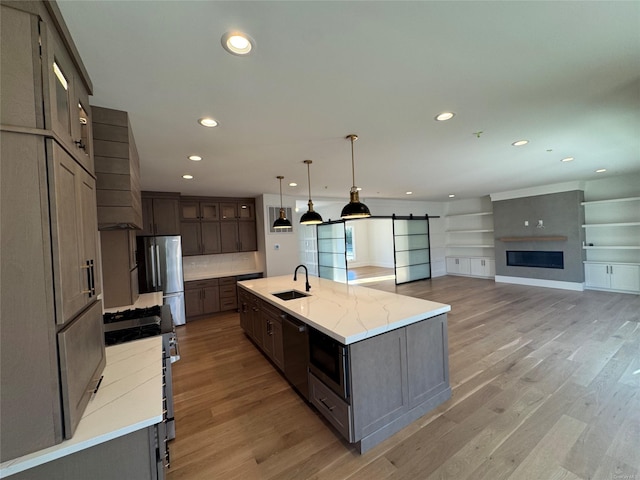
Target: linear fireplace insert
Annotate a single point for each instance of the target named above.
(538, 259)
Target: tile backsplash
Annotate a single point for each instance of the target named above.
(228, 263)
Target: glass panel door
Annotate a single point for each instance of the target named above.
(411, 249)
(332, 257)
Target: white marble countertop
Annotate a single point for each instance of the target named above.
(206, 274)
(129, 399)
(145, 300)
(347, 313)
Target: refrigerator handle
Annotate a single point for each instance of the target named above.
(153, 265)
(159, 285)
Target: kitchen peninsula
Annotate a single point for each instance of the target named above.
(377, 360)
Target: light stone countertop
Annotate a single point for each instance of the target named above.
(347, 313)
(129, 399)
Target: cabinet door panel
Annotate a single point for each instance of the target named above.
(72, 281)
(625, 277)
(210, 300)
(379, 392)
(190, 232)
(228, 211)
(166, 216)
(247, 236)
(209, 211)
(210, 237)
(278, 345)
(147, 217)
(89, 226)
(597, 275)
(427, 359)
(193, 302)
(228, 237)
(189, 210)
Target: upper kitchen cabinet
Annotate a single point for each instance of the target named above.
(160, 213)
(199, 226)
(117, 170)
(74, 233)
(240, 209)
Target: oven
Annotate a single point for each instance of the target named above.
(329, 362)
(134, 324)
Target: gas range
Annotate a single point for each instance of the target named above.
(137, 323)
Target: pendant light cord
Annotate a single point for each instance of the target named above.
(309, 177)
(353, 165)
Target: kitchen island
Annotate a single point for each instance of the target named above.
(377, 360)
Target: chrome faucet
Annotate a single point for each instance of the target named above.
(306, 274)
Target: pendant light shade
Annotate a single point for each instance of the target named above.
(311, 217)
(281, 222)
(354, 209)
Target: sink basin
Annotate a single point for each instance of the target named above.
(290, 295)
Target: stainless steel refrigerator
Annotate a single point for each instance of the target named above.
(160, 270)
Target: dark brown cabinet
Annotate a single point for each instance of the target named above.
(202, 297)
(262, 322)
(199, 226)
(211, 225)
(160, 213)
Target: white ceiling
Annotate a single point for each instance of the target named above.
(564, 75)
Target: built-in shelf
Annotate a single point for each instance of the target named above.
(477, 214)
(559, 238)
(469, 246)
(623, 224)
(469, 231)
(612, 200)
(612, 247)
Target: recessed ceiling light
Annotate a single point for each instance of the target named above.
(519, 143)
(195, 158)
(293, 184)
(441, 117)
(567, 159)
(186, 176)
(208, 122)
(409, 193)
(237, 43)
(451, 195)
(601, 170)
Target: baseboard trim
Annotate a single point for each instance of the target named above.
(537, 282)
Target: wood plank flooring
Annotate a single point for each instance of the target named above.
(546, 385)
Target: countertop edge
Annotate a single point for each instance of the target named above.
(367, 333)
(71, 446)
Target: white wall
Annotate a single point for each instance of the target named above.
(380, 242)
(280, 249)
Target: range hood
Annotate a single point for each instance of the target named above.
(117, 170)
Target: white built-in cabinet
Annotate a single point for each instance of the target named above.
(612, 232)
(470, 240)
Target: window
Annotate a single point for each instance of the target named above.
(274, 212)
(350, 243)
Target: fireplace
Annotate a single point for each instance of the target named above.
(537, 259)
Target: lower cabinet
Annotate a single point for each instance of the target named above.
(262, 322)
(472, 266)
(612, 276)
(202, 297)
(140, 455)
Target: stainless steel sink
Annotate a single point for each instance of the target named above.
(290, 295)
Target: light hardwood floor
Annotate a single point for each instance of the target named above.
(546, 385)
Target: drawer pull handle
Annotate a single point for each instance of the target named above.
(323, 401)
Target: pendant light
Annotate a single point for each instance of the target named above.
(311, 217)
(281, 222)
(354, 209)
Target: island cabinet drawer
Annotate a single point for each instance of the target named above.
(332, 407)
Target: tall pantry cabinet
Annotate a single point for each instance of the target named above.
(49, 274)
